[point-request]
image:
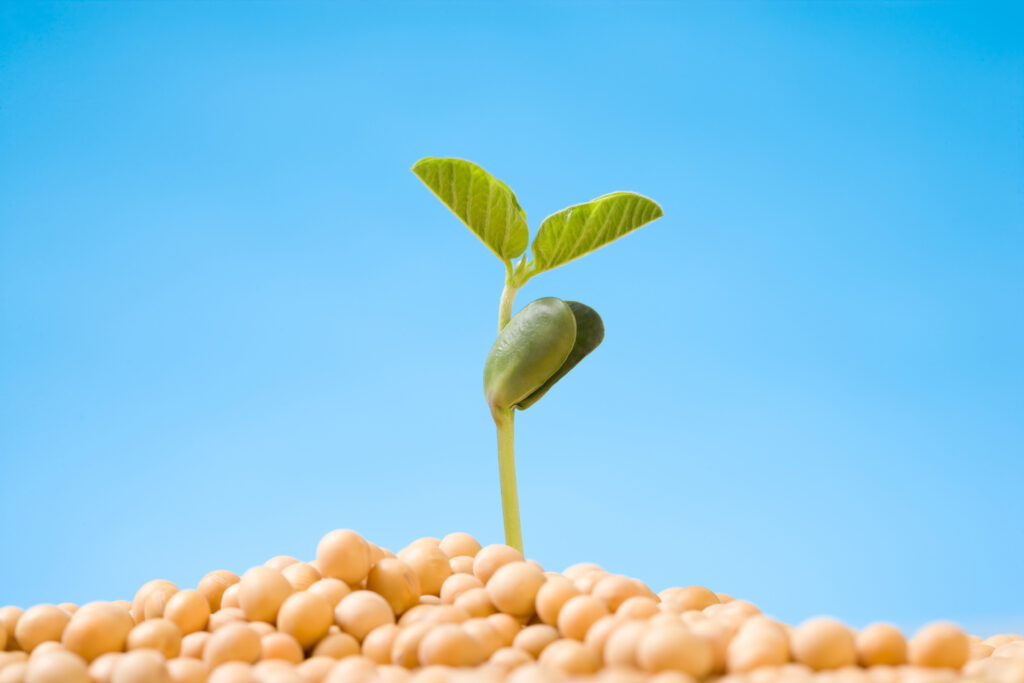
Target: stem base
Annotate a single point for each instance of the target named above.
(504, 420)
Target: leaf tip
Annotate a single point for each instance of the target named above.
(418, 166)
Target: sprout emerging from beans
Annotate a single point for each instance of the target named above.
(548, 337)
(361, 614)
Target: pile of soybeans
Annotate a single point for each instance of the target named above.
(449, 610)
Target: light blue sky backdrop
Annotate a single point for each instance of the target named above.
(232, 320)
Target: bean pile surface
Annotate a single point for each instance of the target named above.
(449, 610)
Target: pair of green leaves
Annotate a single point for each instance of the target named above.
(540, 344)
(490, 209)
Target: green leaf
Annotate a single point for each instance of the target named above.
(529, 349)
(485, 204)
(589, 334)
(583, 228)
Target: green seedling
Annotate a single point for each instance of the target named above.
(544, 341)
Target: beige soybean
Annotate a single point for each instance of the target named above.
(352, 670)
(577, 571)
(315, 669)
(613, 590)
(345, 555)
(378, 643)
(533, 639)
(58, 666)
(95, 629)
(461, 564)
(457, 584)
(476, 602)
(230, 597)
(300, 575)
(569, 656)
(337, 646)
(405, 648)
(233, 672)
(622, 644)
(305, 616)
(881, 645)
(9, 616)
(979, 651)
(739, 609)
(485, 634)
(489, 559)
(280, 562)
(14, 672)
(213, 585)
(234, 642)
(281, 646)
(674, 648)
(510, 658)
(192, 645)
(587, 582)
(939, 645)
(578, 614)
(760, 624)
(161, 635)
(187, 670)
(12, 657)
(140, 666)
(262, 628)
(426, 541)
(261, 592)
(389, 673)
(637, 607)
(598, 633)
(47, 648)
(513, 588)
(823, 643)
(142, 595)
(224, 616)
(671, 677)
(429, 563)
(459, 544)
(506, 626)
(1012, 650)
(434, 614)
(101, 669)
(396, 582)
(414, 614)
(276, 671)
(377, 553)
(449, 645)
(690, 597)
(126, 605)
(40, 624)
(1002, 639)
(332, 589)
(754, 649)
(717, 639)
(555, 592)
(156, 601)
(188, 610)
(361, 611)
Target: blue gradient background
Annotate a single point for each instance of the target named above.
(232, 320)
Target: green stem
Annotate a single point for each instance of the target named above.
(504, 420)
(508, 297)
